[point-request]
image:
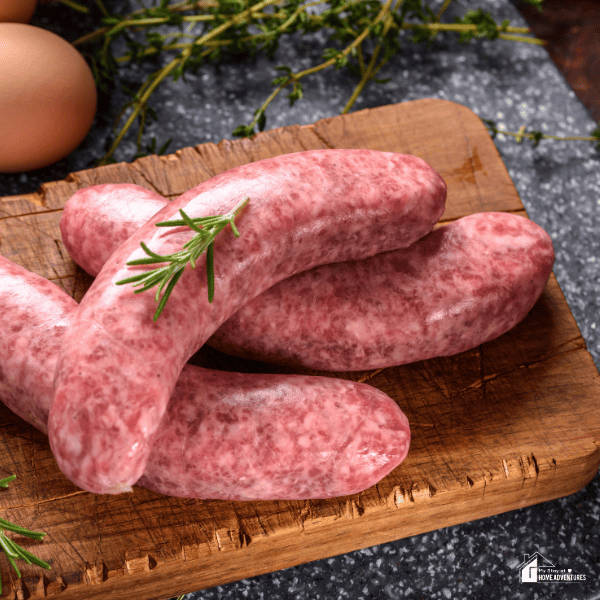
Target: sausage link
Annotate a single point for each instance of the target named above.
(117, 368)
(91, 230)
(464, 284)
(225, 435)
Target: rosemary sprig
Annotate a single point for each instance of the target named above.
(12, 550)
(4, 482)
(207, 229)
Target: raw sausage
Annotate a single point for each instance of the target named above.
(117, 368)
(225, 435)
(462, 285)
(465, 284)
(90, 229)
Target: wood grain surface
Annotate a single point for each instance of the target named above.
(505, 425)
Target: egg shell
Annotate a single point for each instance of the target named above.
(17, 11)
(48, 97)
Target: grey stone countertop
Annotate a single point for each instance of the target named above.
(559, 184)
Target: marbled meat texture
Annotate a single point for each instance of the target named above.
(225, 435)
(465, 284)
(91, 231)
(462, 285)
(117, 368)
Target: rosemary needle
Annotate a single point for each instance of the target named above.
(11, 548)
(4, 482)
(166, 277)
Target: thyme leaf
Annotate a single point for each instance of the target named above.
(166, 277)
(362, 37)
(536, 136)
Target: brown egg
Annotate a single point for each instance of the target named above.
(16, 11)
(47, 97)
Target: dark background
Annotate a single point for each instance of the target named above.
(559, 184)
(571, 30)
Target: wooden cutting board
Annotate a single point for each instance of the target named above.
(511, 423)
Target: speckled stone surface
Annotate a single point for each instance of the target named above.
(559, 183)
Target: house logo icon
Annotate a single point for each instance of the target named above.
(533, 565)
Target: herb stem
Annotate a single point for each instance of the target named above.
(368, 73)
(138, 106)
(361, 60)
(215, 43)
(443, 9)
(266, 103)
(332, 61)
(206, 228)
(179, 61)
(459, 27)
(90, 37)
(532, 136)
(351, 21)
(295, 77)
(524, 40)
(102, 8)
(75, 6)
(10, 547)
(197, 19)
(131, 21)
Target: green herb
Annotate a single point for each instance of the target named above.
(75, 6)
(537, 136)
(12, 550)
(207, 229)
(363, 36)
(4, 482)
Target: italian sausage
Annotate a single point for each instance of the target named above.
(465, 284)
(225, 435)
(117, 368)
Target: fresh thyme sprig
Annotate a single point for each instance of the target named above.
(537, 136)
(364, 35)
(207, 229)
(12, 550)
